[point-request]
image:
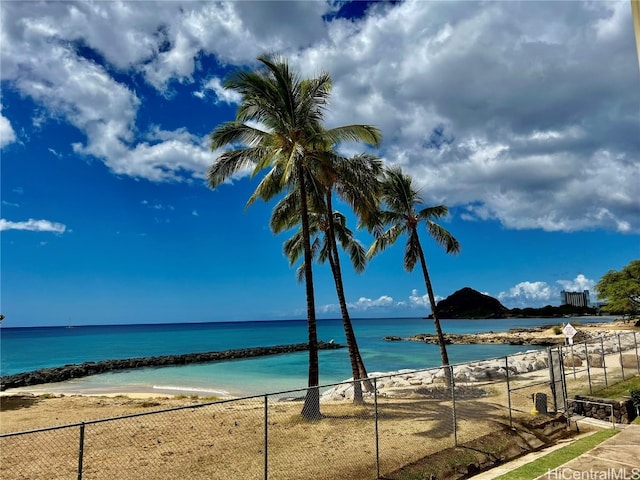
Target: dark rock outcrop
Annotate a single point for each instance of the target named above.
(67, 372)
(469, 303)
(489, 339)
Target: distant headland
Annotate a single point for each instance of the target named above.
(469, 303)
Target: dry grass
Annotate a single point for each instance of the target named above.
(226, 439)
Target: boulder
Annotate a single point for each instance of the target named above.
(572, 361)
(595, 360)
(629, 360)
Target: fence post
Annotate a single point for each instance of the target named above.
(573, 362)
(604, 362)
(81, 451)
(506, 365)
(635, 341)
(266, 437)
(620, 355)
(586, 357)
(453, 409)
(375, 417)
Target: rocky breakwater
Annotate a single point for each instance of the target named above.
(512, 337)
(67, 372)
(409, 382)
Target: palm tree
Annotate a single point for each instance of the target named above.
(323, 248)
(402, 217)
(277, 123)
(357, 181)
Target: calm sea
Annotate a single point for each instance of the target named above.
(26, 349)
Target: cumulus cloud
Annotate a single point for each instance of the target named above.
(385, 304)
(221, 94)
(363, 304)
(33, 226)
(528, 294)
(485, 105)
(7, 135)
(537, 294)
(500, 108)
(421, 301)
(578, 284)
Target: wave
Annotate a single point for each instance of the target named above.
(190, 389)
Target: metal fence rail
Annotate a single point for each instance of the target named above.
(408, 416)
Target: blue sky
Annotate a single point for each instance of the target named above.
(522, 117)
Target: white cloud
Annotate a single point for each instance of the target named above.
(7, 135)
(529, 290)
(416, 300)
(33, 225)
(578, 284)
(483, 103)
(214, 84)
(363, 304)
(538, 294)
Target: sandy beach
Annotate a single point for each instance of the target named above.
(60, 403)
(204, 438)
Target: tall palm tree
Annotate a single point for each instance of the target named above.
(356, 180)
(402, 216)
(323, 248)
(277, 123)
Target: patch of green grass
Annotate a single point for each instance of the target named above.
(558, 457)
(619, 390)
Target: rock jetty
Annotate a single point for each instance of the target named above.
(67, 372)
(401, 383)
(539, 336)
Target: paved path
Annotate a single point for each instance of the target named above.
(617, 458)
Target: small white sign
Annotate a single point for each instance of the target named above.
(569, 332)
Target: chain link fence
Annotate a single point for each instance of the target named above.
(408, 416)
(597, 363)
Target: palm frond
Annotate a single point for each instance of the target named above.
(443, 238)
(386, 239)
(437, 211)
(229, 163)
(411, 251)
(353, 133)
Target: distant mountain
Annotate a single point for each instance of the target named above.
(469, 303)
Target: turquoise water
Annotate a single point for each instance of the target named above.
(27, 349)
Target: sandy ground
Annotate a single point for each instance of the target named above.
(204, 439)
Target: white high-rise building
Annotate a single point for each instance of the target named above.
(577, 299)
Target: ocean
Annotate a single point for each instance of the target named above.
(27, 349)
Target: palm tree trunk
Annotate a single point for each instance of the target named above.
(357, 365)
(436, 321)
(311, 407)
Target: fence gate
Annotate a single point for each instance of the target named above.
(556, 376)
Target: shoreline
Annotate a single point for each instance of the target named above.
(67, 387)
(75, 371)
